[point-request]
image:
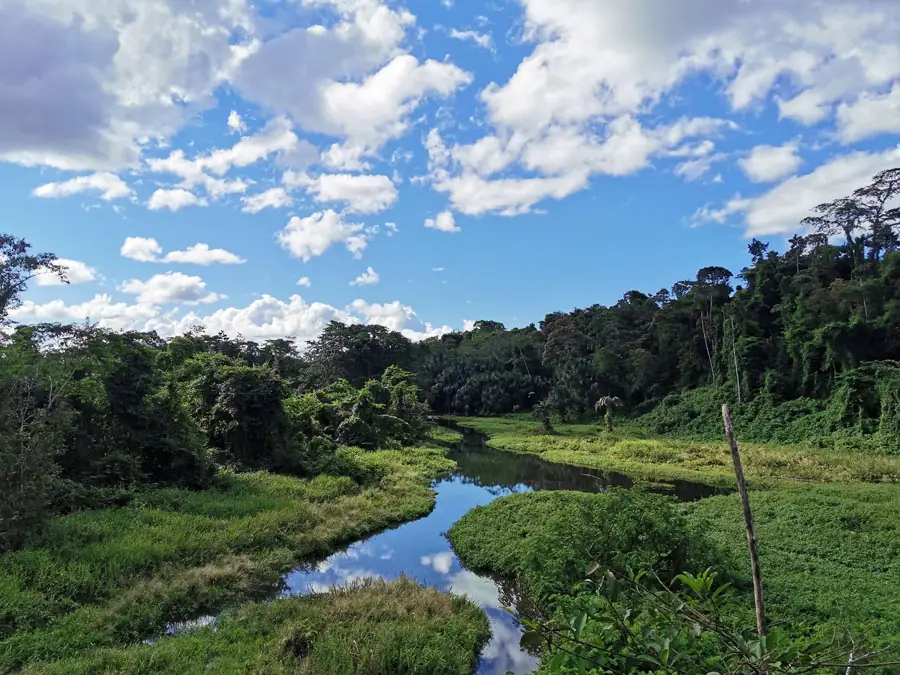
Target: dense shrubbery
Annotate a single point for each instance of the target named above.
(811, 334)
(88, 415)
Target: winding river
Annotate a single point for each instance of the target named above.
(420, 549)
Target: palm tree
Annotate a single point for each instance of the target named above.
(608, 402)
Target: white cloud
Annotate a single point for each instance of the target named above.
(120, 72)
(397, 317)
(780, 210)
(563, 157)
(441, 562)
(437, 269)
(142, 249)
(173, 199)
(147, 249)
(263, 319)
(304, 281)
(483, 40)
(391, 228)
(767, 163)
(694, 169)
(309, 237)
(444, 221)
(362, 193)
(276, 138)
(235, 123)
(76, 273)
(870, 115)
(202, 254)
(355, 83)
(109, 185)
(367, 278)
(273, 198)
(170, 287)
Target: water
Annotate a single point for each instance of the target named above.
(420, 549)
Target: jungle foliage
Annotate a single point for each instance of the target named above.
(804, 343)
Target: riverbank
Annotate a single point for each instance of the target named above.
(372, 626)
(113, 577)
(828, 548)
(637, 455)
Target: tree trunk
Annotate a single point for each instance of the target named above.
(748, 522)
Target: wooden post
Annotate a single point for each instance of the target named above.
(748, 522)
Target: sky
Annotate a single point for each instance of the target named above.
(264, 168)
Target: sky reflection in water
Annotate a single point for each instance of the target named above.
(420, 550)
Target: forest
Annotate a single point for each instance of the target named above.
(146, 479)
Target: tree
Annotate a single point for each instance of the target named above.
(355, 353)
(608, 403)
(18, 267)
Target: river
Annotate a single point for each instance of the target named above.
(420, 549)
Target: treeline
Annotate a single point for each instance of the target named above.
(88, 415)
(805, 341)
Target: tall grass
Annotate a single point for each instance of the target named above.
(104, 578)
(371, 628)
(632, 452)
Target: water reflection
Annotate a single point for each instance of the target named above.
(420, 550)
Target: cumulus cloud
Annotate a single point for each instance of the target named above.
(309, 237)
(362, 193)
(444, 221)
(263, 319)
(273, 198)
(367, 278)
(354, 84)
(397, 317)
(579, 104)
(76, 273)
(871, 114)
(107, 67)
(170, 287)
(142, 249)
(780, 210)
(173, 200)
(147, 249)
(483, 40)
(276, 139)
(235, 123)
(767, 163)
(304, 281)
(108, 185)
(563, 159)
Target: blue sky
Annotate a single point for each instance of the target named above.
(425, 164)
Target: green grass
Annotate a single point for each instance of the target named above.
(830, 555)
(372, 628)
(546, 540)
(633, 453)
(110, 577)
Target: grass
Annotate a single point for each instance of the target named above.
(111, 577)
(546, 540)
(830, 555)
(633, 453)
(372, 628)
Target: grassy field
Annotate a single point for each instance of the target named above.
(634, 453)
(830, 548)
(373, 627)
(112, 577)
(830, 555)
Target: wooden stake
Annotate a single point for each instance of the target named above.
(748, 522)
